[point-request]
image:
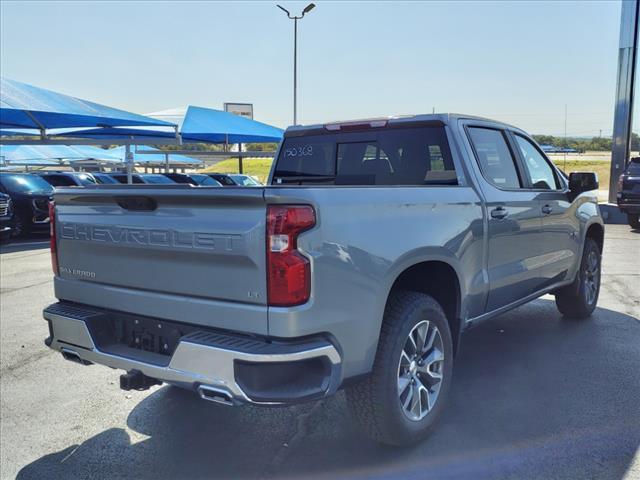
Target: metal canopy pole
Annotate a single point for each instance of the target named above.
(129, 163)
(627, 54)
(240, 158)
(166, 163)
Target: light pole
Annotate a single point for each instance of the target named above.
(306, 10)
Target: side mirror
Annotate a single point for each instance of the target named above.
(580, 182)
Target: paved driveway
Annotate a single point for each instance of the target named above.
(534, 396)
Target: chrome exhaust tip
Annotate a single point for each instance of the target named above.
(217, 395)
(73, 356)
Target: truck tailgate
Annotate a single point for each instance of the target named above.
(148, 249)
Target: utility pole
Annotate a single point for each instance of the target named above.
(295, 19)
(627, 54)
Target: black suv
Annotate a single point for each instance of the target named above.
(67, 179)
(30, 195)
(6, 216)
(629, 192)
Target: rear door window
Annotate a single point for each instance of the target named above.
(393, 156)
(494, 157)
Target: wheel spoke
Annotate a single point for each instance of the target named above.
(416, 406)
(403, 382)
(408, 398)
(412, 343)
(422, 390)
(405, 359)
(430, 339)
(421, 334)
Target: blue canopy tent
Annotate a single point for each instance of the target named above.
(30, 107)
(198, 125)
(26, 106)
(215, 126)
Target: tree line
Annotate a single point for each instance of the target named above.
(595, 144)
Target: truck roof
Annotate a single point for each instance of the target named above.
(431, 118)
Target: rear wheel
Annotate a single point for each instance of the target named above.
(579, 299)
(634, 220)
(407, 389)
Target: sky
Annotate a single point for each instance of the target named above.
(519, 62)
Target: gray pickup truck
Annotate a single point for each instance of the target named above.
(374, 246)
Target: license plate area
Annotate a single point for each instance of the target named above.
(148, 335)
(120, 333)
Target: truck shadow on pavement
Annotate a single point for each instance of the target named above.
(534, 396)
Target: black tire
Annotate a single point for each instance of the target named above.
(579, 299)
(634, 220)
(375, 402)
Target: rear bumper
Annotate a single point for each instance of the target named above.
(222, 367)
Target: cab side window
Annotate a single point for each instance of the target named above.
(495, 158)
(540, 172)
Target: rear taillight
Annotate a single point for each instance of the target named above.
(53, 242)
(288, 271)
(620, 183)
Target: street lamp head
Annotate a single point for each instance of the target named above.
(308, 8)
(284, 10)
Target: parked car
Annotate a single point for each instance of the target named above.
(67, 179)
(138, 178)
(6, 216)
(30, 196)
(374, 246)
(629, 192)
(245, 180)
(223, 179)
(195, 179)
(104, 178)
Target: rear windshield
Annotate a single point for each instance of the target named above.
(60, 180)
(398, 156)
(633, 168)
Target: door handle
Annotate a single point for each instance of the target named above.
(547, 209)
(499, 212)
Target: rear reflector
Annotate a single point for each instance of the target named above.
(53, 241)
(288, 271)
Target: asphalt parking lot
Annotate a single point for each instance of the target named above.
(534, 396)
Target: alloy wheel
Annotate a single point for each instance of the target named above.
(591, 277)
(420, 370)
